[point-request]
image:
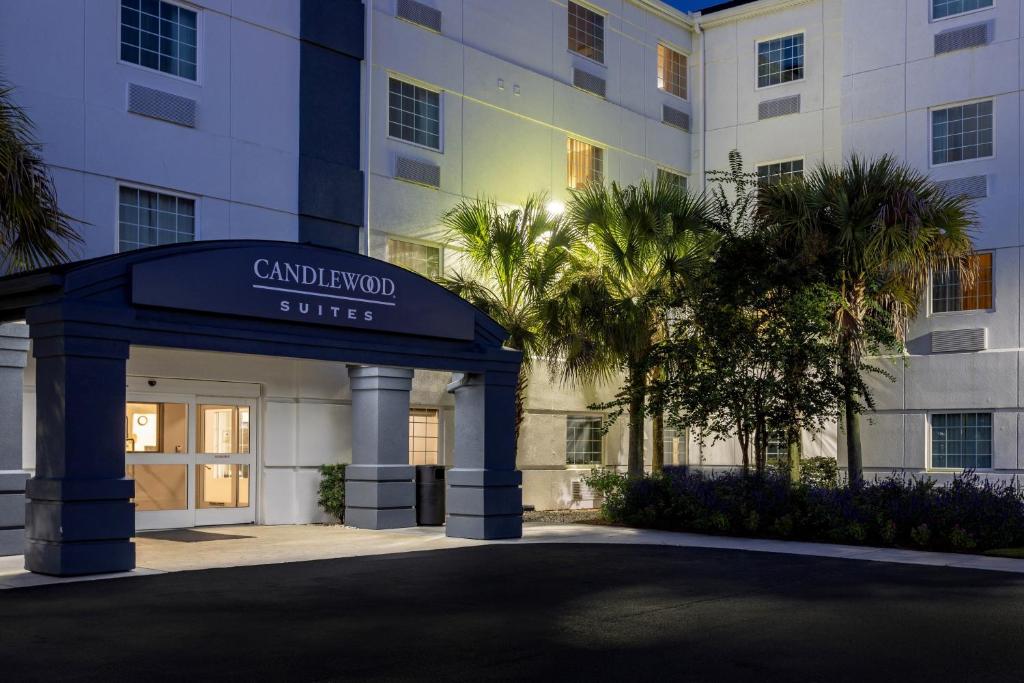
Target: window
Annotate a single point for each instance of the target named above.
(586, 163)
(771, 174)
(777, 450)
(423, 436)
(672, 178)
(671, 71)
(414, 114)
(582, 440)
(160, 36)
(947, 8)
(419, 258)
(673, 446)
(962, 440)
(950, 295)
(780, 60)
(962, 132)
(146, 219)
(586, 32)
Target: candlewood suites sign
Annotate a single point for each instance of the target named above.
(303, 284)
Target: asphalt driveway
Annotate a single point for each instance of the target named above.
(527, 612)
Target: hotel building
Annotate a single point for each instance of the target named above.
(357, 125)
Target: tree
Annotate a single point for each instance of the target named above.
(610, 308)
(876, 229)
(34, 232)
(512, 259)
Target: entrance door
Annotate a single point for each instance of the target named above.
(192, 459)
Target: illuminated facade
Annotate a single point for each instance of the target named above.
(357, 126)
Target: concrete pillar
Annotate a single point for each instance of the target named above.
(380, 491)
(13, 357)
(484, 495)
(80, 518)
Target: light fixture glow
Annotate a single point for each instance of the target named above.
(555, 208)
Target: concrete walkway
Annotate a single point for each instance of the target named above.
(237, 546)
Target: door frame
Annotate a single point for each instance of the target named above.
(140, 390)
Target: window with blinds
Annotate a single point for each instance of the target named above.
(585, 163)
(671, 71)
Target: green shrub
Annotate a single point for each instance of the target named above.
(332, 490)
(819, 471)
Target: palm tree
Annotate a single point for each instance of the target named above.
(610, 308)
(511, 260)
(877, 229)
(34, 232)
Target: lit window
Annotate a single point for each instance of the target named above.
(780, 60)
(414, 114)
(672, 71)
(947, 8)
(586, 32)
(583, 440)
(423, 436)
(147, 219)
(673, 446)
(586, 163)
(672, 178)
(962, 132)
(949, 294)
(772, 174)
(962, 440)
(419, 258)
(160, 36)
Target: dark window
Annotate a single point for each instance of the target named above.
(159, 35)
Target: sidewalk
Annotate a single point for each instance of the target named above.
(218, 547)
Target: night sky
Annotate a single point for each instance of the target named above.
(690, 5)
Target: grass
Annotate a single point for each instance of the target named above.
(1015, 553)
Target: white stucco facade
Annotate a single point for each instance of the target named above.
(503, 74)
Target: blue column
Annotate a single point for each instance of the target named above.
(484, 495)
(80, 518)
(380, 492)
(13, 356)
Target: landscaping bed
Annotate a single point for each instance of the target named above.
(967, 514)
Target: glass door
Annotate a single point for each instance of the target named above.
(158, 458)
(224, 481)
(192, 459)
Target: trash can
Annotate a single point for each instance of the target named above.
(429, 495)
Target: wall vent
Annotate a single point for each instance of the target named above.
(675, 117)
(973, 187)
(962, 38)
(589, 82)
(418, 172)
(420, 14)
(953, 341)
(158, 104)
(782, 106)
(581, 492)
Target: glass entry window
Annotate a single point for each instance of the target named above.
(191, 460)
(424, 432)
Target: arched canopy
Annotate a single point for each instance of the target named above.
(261, 297)
(267, 298)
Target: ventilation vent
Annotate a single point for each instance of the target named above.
(589, 82)
(952, 341)
(962, 38)
(583, 493)
(675, 117)
(973, 187)
(161, 105)
(783, 106)
(420, 14)
(418, 172)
